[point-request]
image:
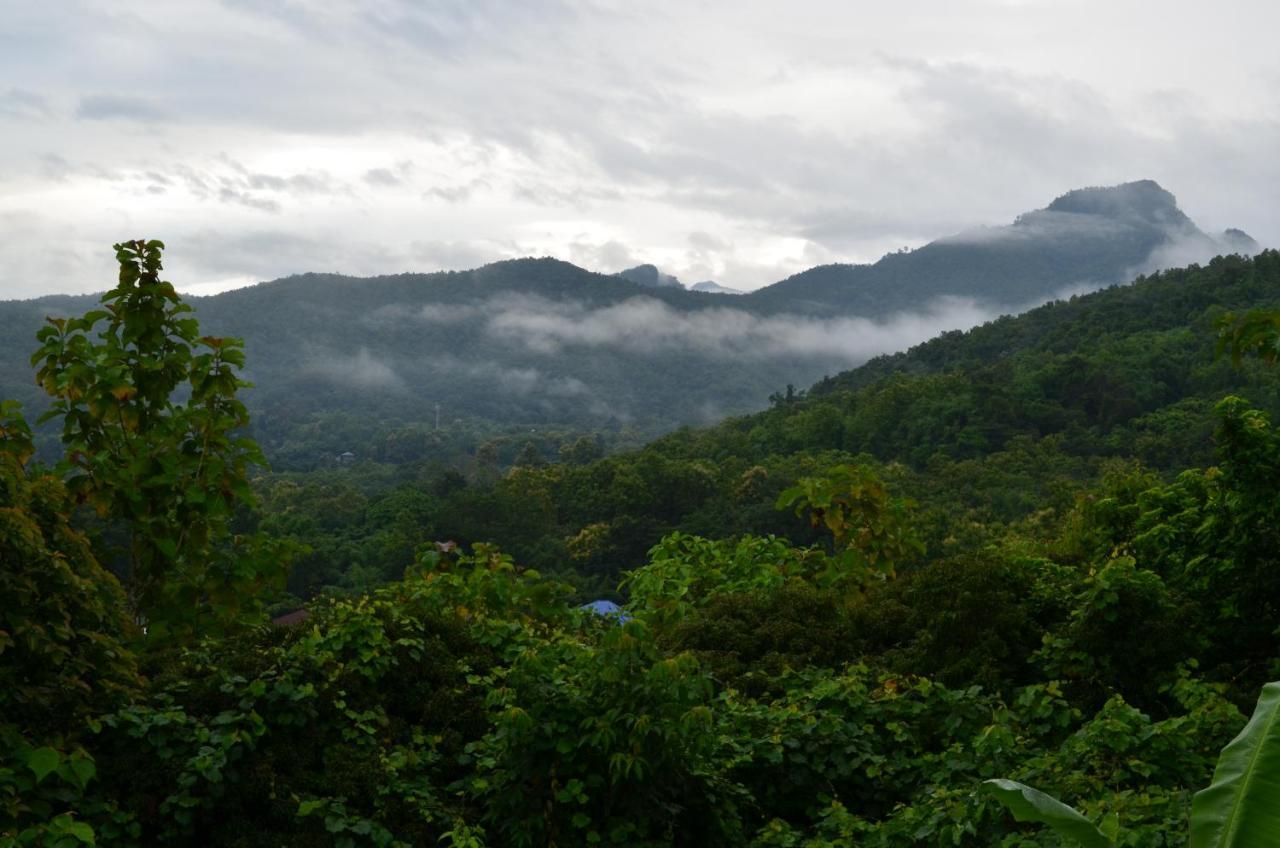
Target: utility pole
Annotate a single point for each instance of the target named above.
(437, 416)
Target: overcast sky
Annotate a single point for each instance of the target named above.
(738, 141)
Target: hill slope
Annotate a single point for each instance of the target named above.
(982, 428)
(530, 342)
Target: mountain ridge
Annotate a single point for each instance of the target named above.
(541, 342)
(1089, 237)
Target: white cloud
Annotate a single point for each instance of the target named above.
(647, 325)
(362, 371)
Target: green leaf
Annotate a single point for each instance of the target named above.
(306, 808)
(1241, 807)
(788, 497)
(81, 831)
(42, 761)
(82, 770)
(1032, 805)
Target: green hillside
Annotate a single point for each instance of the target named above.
(532, 343)
(983, 428)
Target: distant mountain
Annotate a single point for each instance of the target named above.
(533, 342)
(543, 343)
(714, 288)
(1084, 239)
(650, 277)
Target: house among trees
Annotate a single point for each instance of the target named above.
(346, 458)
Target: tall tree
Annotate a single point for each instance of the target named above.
(150, 422)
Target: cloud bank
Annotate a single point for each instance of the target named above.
(644, 325)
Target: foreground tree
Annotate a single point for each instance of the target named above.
(151, 421)
(64, 656)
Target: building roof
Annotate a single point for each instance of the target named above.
(291, 618)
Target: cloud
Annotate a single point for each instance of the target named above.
(106, 107)
(455, 255)
(381, 177)
(361, 371)
(226, 194)
(454, 193)
(300, 183)
(20, 103)
(644, 325)
(1042, 225)
(548, 390)
(610, 256)
(548, 330)
(449, 313)
(225, 180)
(55, 167)
(519, 381)
(1192, 248)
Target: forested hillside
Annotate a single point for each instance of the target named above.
(982, 428)
(1049, 616)
(516, 345)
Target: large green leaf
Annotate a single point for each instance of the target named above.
(1032, 805)
(41, 761)
(1242, 805)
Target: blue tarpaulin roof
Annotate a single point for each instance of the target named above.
(606, 608)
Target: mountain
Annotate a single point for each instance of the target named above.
(540, 343)
(650, 277)
(714, 288)
(536, 343)
(1085, 239)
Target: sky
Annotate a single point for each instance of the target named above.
(737, 141)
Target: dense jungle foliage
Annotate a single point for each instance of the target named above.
(828, 640)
